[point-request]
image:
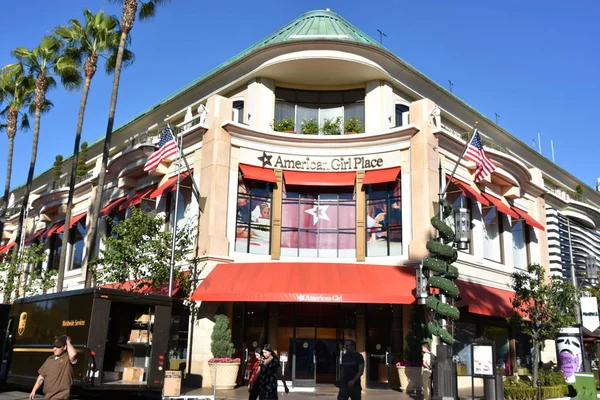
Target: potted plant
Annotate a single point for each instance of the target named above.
(225, 367)
(310, 126)
(284, 125)
(352, 125)
(409, 370)
(332, 126)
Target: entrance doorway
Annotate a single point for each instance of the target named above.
(384, 344)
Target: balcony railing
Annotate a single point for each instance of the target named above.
(64, 182)
(467, 135)
(153, 135)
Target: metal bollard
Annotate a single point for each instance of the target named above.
(539, 387)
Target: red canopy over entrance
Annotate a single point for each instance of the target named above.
(486, 300)
(308, 282)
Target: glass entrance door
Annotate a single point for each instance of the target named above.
(304, 358)
(379, 338)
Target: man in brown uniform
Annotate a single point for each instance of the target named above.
(57, 371)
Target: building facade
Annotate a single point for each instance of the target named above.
(319, 155)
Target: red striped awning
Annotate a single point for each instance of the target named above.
(74, 220)
(381, 176)
(529, 220)
(257, 173)
(54, 228)
(137, 197)
(470, 191)
(169, 185)
(500, 205)
(5, 249)
(112, 205)
(319, 178)
(37, 235)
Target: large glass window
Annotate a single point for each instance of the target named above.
(77, 237)
(238, 111)
(301, 105)
(253, 218)
(519, 243)
(116, 216)
(492, 243)
(464, 333)
(402, 115)
(318, 222)
(384, 219)
(184, 206)
(55, 249)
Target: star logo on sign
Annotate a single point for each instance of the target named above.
(318, 212)
(265, 159)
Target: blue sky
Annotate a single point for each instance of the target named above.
(533, 62)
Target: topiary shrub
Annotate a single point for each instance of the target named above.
(416, 336)
(221, 345)
(82, 160)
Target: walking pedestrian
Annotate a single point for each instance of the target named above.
(270, 372)
(254, 380)
(57, 371)
(353, 366)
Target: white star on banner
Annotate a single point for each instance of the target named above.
(318, 212)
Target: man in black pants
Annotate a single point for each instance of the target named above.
(353, 366)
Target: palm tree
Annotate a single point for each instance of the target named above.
(42, 63)
(15, 91)
(130, 9)
(99, 37)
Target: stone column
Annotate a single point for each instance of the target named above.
(276, 216)
(214, 179)
(361, 199)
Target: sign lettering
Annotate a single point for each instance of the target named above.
(320, 298)
(73, 322)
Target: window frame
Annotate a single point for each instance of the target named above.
(390, 198)
(261, 189)
(500, 218)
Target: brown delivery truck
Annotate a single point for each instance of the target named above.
(121, 338)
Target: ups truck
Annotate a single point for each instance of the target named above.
(121, 338)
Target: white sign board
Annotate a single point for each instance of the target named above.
(483, 360)
(589, 313)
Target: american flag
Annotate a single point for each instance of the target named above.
(166, 148)
(475, 153)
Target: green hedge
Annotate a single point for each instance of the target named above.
(530, 393)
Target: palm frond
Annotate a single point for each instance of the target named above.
(147, 10)
(24, 122)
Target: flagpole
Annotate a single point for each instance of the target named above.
(187, 166)
(174, 215)
(443, 192)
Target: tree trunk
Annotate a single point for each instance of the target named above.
(11, 129)
(67, 231)
(95, 211)
(24, 206)
(536, 362)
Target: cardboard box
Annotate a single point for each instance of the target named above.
(135, 335)
(126, 359)
(143, 318)
(131, 374)
(172, 385)
(145, 337)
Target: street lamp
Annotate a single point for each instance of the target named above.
(462, 228)
(147, 147)
(591, 269)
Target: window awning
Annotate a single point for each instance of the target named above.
(169, 185)
(112, 205)
(5, 249)
(54, 228)
(137, 197)
(529, 220)
(308, 282)
(37, 235)
(74, 220)
(500, 205)
(144, 286)
(319, 178)
(470, 191)
(257, 173)
(486, 300)
(381, 176)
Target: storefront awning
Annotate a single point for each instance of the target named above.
(74, 220)
(529, 220)
(501, 206)
(144, 286)
(381, 176)
(112, 205)
(5, 249)
(319, 178)
(54, 228)
(257, 173)
(38, 234)
(486, 300)
(308, 282)
(137, 197)
(470, 191)
(169, 185)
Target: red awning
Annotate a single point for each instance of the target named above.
(501, 206)
(319, 178)
(112, 205)
(54, 228)
(381, 176)
(38, 234)
(470, 191)
(257, 173)
(486, 300)
(137, 197)
(528, 219)
(169, 185)
(74, 220)
(308, 282)
(5, 249)
(145, 286)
